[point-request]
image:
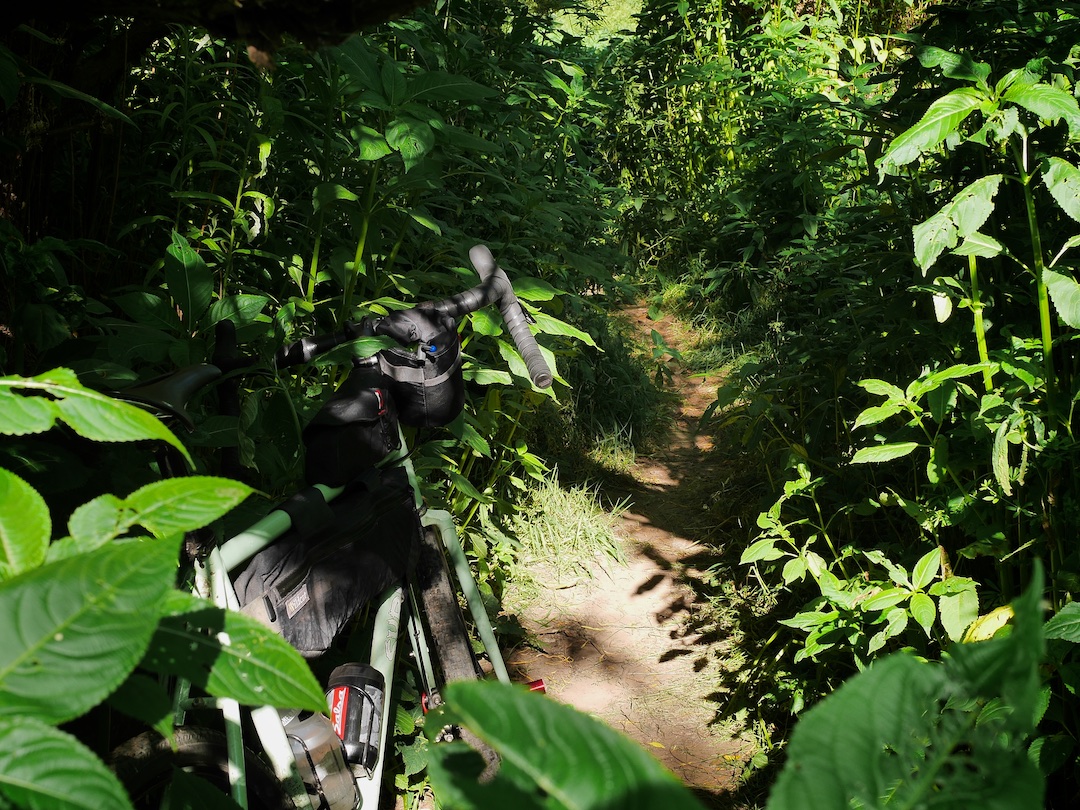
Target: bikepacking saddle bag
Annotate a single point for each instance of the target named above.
(424, 375)
(313, 580)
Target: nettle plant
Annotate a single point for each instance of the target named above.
(996, 434)
(91, 617)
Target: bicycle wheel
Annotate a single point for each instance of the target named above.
(147, 766)
(449, 637)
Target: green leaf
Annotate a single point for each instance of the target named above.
(881, 388)
(961, 217)
(1047, 102)
(25, 526)
(150, 309)
(90, 414)
(932, 238)
(370, 142)
(761, 550)
(146, 700)
(231, 655)
(543, 744)
(190, 282)
(434, 85)
(794, 570)
(97, 522)
(1000, 458)
(548, 325)
(177, 505)
(958, 610)
(1065, 624)
(328, 193)
(70, 92)
(877, 414)
(941, 119)
(1062, 180)
(923, 611)
(412, 138)
(74, 629)
(885, 600)
(241, 309)
(953, 65)
(979, 244)
(926, 569)
(1065, 293)
(41, 767)
(883, 452)
(533, 289)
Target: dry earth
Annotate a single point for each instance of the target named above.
(622, 645)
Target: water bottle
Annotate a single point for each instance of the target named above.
(355, 695)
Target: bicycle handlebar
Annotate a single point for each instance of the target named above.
(495, 288)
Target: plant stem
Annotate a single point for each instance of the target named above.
(980, 326)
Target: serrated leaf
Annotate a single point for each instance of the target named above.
(1000, 458)
(1065, 624)
(1062, 180)
(371, 145)
(1047, 102)
(941, 119)
(90, 414)
(883, 452)
(923, 610)
(794, 570)
(885, 600)
(981, 245)
(98, 521)
(545, 743)
(412, 138)
(932, 238)
(877, 414)
(74, 629)
(1065, 293)
(190, 282)
(178, 505)
(958, 610)
(881, 388)
(231, 655)
(240, 309)
(46, 769)
(25, 526)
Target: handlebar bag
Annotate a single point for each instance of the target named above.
(313, 580)
(424, 375)
(352, 432)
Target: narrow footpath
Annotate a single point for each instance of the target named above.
(628, 646)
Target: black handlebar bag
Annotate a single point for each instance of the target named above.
(424, 376)
(312, 581)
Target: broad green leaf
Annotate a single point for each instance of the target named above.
(355, 57)
(932, 238)
(74, 629)
(1062, 179)
(761, 550)
(934, 380)
(487, 376)
(177, 505)
(147, 700)
(979, 244)
(371, 143)
(190, 282)
(794, 570)
(327, 193)
(97, 522)
(1047, 102)
(70, 92)
(1065, 293)
(412, 138)
(953, 65)
(553, 326)
(90, 414)
(877, 414)
(960, 218)
(885, 600)
(544, 743)
(883, 452)
(926, 569)
(941, 119)
(937, 466)
(238, 658)
(881, 388)
(151, 309)
(241, 309)
(1071, 242)
(485, 323)
(434, 85)
(533, 289)
(426, 221)
(1065, 624)
(25, 526)
(923, 610)
(46, 769)
(957, 611)
(465, 486)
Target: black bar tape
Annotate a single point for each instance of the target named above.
(513, 315)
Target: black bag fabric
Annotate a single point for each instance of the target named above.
(426, 382)
(352, 432)
(307, 585)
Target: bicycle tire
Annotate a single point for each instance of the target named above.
(145, 766)
(452, 647)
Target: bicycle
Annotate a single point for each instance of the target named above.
(268, 758)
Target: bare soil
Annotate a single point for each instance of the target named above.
(628, 645)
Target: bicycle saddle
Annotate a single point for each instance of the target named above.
(171, 393)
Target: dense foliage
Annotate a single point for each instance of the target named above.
(872, 206)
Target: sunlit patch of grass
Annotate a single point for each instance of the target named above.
(562, 532)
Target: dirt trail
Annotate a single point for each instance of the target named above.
(622, 646)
